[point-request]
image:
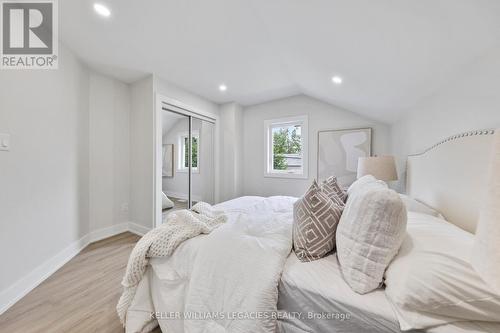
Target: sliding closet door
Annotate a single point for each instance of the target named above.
(188, 164)
(175, 162)
(203, 167)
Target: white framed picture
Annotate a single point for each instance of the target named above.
(339, 151)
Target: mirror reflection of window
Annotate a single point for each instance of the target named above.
(184, 151)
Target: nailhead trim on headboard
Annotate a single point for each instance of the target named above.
(457, 136)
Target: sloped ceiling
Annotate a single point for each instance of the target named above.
(390, 53)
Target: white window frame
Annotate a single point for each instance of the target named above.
(268, 147)
(180, 153)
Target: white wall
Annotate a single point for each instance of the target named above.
(66, 177)
(109, 144)
(470, 102)
(231, 124)
(173, 91)
(142, 143)
(44, 188)
(322, 116)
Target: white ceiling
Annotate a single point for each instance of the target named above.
(390, 53)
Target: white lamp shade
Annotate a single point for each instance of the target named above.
(380, 167)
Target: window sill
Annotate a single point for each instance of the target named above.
(285, 175)
(186, 171)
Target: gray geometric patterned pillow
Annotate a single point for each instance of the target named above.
(315, 219)
(334, 191)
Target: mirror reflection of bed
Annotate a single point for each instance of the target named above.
(170, 204)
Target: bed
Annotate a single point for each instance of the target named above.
(317, 288)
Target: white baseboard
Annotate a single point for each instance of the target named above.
(21, 288)
(137, 229)
(99, 234)
(180, 195)
(177, 195)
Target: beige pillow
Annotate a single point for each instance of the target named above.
(333, 190)
(315, 219)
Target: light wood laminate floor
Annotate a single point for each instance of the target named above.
(80, 297)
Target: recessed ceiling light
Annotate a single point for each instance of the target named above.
(102, 10)
(337, 79)
(222, 87)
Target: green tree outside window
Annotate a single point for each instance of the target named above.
(194, 152)
(286, 140)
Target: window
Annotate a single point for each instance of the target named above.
(184, 151)
(286, 147)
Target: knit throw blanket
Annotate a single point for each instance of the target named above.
(162, 241)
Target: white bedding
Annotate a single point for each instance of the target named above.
(223, 277)
(316, 287)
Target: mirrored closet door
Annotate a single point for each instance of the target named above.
(202, 178)
(175, 167)
(188, 169)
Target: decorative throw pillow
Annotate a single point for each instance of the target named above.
(315, 219)
(369, 235)
(333, 190)
(166, 202)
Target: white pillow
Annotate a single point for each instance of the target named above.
(166, 202)
(431, 282)
(413, 205)
(369, 235)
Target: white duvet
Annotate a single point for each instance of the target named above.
(226, 281)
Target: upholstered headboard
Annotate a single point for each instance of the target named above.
(451, 176)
